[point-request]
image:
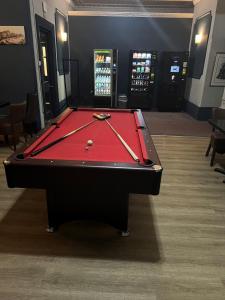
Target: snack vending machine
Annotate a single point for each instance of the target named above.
(142, 75)
(105, 77)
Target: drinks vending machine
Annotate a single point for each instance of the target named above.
(105, 77)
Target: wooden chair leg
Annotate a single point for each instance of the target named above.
(6, 138)
(212, 157)
(208, 149)
(14, 140)
(14, 144)
(25, 137)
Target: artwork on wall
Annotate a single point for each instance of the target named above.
(61, 28)
(218, 76)
(199, 45)
(12, 35)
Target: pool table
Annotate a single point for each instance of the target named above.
(89, 181)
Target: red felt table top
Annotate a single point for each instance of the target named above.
(106, 145)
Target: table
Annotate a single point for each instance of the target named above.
(4, 103)
(4, 108)
(93, 182)
(220, 125)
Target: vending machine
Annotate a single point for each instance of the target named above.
(142, 76)
(105, 77)
(172, 81)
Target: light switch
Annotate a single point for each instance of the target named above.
(44, 7)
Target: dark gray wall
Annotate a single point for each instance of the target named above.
(17, 71)
(124, 34)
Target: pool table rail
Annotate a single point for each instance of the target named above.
(25, 171)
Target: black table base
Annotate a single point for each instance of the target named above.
(107, 206)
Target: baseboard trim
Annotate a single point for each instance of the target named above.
(199, 113)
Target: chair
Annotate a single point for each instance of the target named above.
(217, 139)
(30, 122)
(12, 124)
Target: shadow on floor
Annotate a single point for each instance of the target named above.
(22, 231)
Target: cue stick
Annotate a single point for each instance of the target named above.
(123, 142)
(60, 139)
(107, 116)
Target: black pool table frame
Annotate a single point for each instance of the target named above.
(87, 189)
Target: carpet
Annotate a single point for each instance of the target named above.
(176, 123)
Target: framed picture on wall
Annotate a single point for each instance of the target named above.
(199, 45)
(12, 35)
(218, 76)
(61, 27)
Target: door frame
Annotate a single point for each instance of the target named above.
(44, 25)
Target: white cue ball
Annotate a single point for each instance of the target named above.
(89, 142)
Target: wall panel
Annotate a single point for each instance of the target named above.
(122, 33)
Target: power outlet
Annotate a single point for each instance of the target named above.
(223, 103)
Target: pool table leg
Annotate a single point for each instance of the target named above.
(122, 213)
(125, 233)
(50, 229)
(53, 212)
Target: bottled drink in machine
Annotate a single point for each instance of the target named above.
(105, 77)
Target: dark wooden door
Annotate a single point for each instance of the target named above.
(46, 78)
(48, 69)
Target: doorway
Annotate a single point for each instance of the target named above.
(48, 70)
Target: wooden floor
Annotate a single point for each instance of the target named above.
(176, 249)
